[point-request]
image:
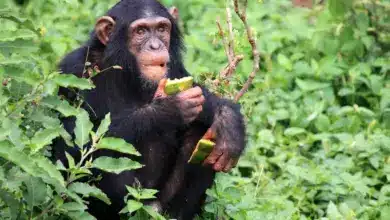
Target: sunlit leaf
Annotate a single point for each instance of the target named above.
(116, 166)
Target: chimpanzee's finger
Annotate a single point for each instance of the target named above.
(232, 163)
(191, 93)
(213, 157)
(160, 91)
(210, 134)
(222, 162)
(193, 112)
(196, 101)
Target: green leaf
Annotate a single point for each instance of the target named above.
(36, 191)
(285, 62)
(80, 215)
(70, 159)
(311, 85)
(118, 145)
(62, 106)
(294, 131)
(339, 8)
(83, 128)
(133, 206)
(67, 138)
(73, 206)
(70, 80)
(133, 192)
(147, 193)
(48, 167)
(154, 214)
(333, 213)
(322, 123)
(43, 138)
(104, 125)
(10, 153)
(89, 191)
(116, 166)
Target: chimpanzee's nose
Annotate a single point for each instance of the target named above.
(155, 45)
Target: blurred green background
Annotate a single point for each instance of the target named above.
(318, 111)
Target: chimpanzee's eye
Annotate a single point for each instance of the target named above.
(141, 30)
(162, 28)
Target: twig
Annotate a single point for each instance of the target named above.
(225, 41)
(231, 68)
(255, 52)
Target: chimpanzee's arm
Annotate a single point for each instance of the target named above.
(135, 124)
(226, 119)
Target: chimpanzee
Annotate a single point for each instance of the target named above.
(143, 38)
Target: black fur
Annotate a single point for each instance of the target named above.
(154, 127)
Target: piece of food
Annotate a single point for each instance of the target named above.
(202, 151)
(174, 86)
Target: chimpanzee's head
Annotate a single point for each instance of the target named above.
(141, 32)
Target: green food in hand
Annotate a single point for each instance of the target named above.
(178, 85)
(202, 150)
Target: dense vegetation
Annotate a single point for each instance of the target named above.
(318, 111)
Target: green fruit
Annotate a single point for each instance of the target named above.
(202, 150)
(178, 85)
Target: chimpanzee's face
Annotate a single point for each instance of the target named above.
(149, 42)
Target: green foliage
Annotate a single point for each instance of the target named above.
(317, 115)
(31, 185)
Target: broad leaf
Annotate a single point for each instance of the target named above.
(89, 191)
(116, 166)
(44, 138)
(70, 80)
(118, 145)
(83, 128)
(104, 125)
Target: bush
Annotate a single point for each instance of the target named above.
(318, 113)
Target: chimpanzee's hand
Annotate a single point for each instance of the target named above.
(221, 158)
(188, 102)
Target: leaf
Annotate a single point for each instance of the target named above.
(147, 193)
(43, 138)
(104, 125)
(80, 215)
(89, 191)
(36, 191)
(154, 214)
(73, 206)
(62, 106)
(133, 192)
(294, 131)
(8, 152)
(71, 163)
(118, 145)
(339, 8)
(322, 123)
(83, 128)
(11, 202)
(67, 138)
(70, 80)
(133, 206)
(49, 168)
(116, 166)
(285, 62)
(311, 85)
(332, 212)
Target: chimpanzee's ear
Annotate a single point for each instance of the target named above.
(174, 12)
(103, 28)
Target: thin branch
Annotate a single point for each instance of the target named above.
(225, 41)
(231, 68)
(231, 36)
(255, 52)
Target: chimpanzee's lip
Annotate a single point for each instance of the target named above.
(156, 65)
